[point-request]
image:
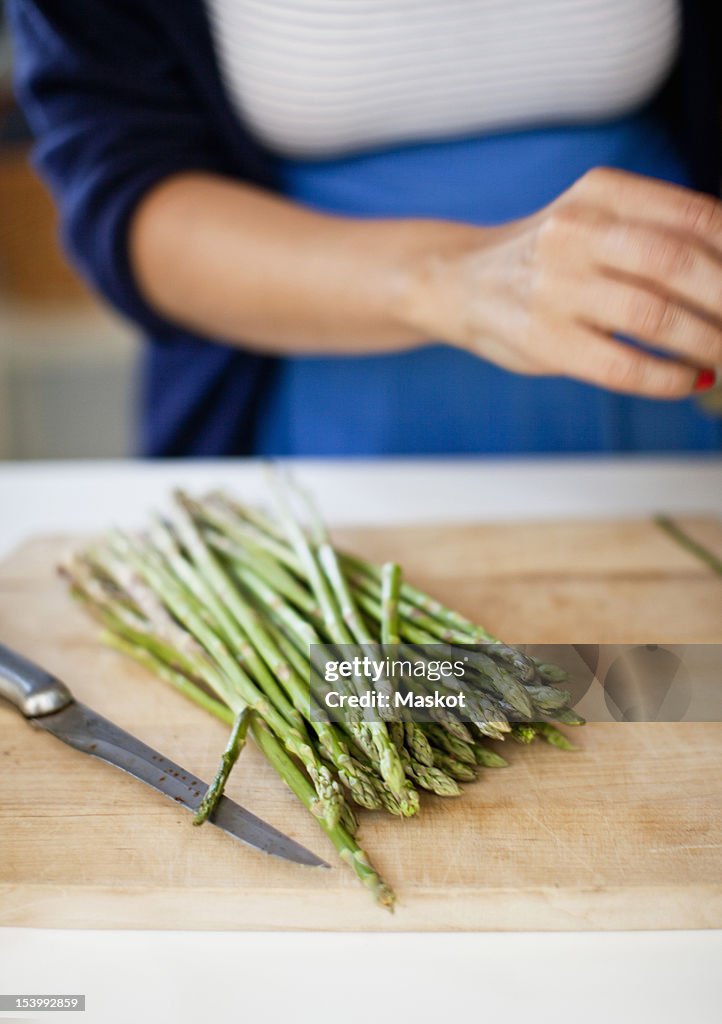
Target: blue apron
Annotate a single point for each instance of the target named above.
(438, 400)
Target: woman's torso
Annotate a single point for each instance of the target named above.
(319, 78)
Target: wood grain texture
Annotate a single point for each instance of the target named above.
(624, 833)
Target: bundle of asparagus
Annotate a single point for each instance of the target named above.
(224, 602)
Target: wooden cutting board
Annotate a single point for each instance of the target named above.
(624, 833)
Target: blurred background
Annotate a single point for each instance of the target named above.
(66, 362)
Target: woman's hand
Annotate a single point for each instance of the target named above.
(615, 254)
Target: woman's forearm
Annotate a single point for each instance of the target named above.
(244, 266)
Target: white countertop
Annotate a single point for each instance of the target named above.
(73, 496)
(185, 977)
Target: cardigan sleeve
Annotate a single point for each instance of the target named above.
(113, 112)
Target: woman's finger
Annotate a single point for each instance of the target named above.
(667, 262)
(620, 307)
(633, 196)
(590, 355)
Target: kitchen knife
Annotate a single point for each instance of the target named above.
(48, 704)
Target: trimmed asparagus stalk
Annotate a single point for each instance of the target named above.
(213, 794)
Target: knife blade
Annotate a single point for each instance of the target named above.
(48, 704)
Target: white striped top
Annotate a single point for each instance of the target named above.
(317, 78)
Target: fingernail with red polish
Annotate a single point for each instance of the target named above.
(705, 380)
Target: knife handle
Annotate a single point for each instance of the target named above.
(32, 690)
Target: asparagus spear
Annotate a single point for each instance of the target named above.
(548, 699)
(551, 673)
(413, 736)
(675, 531)
(489, 758)
(552, 735)
(568, 717)
(213, 794)
(523, 733)
(417, 743)
(390, 589)
(433, 779)
(451, 745)
(458, 770)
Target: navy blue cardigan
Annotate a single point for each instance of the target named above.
(122, 93)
